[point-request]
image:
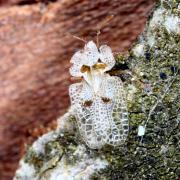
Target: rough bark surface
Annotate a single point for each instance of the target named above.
(35, 52)
(152, 149)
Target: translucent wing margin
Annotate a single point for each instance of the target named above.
(119, 127)
(111, 115)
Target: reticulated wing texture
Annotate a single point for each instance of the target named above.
(119, 127)
(91, 54)
(107, 56)
(75, 93)
(77, 60)
(102, 117)
(86, 128)
(110, 112)
(82, 97)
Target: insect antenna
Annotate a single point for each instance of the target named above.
(76, 37)
(81, 39)
(100, 26)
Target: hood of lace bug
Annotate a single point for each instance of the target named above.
(90, 63)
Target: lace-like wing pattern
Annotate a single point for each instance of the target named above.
(102, 118)
(99, 100)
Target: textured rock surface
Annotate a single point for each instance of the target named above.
(152, 86)
(34, 61)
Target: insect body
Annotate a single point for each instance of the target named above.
(99, 100)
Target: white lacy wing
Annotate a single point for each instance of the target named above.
(119, 127)
(79, 94)
(110, 116)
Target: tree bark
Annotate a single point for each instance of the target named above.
(34, 60)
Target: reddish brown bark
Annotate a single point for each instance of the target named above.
(23, 2)
(34, 61)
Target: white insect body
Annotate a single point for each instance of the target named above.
(99, 100)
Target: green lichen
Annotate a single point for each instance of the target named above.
(142, 158)
(52, 149)
(34, 159)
